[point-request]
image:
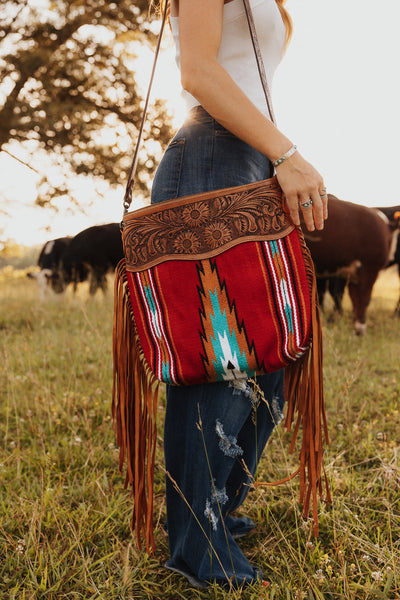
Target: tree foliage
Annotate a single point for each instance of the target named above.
(68, 86)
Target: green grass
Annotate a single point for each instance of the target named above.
(64, 515)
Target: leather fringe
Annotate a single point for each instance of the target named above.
(134, 410)
(304, 393)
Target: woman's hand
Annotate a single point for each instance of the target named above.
(304, 190)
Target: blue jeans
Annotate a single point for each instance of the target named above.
(214, 433)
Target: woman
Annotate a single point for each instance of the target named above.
(215, 433)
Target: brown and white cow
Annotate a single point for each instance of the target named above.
(393, 215)
(336, 285)
(353, 245)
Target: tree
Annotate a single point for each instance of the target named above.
(68, 87)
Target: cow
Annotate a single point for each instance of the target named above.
(354, 244)
(92, 254)
(336, 285)
(88, 256)
(393, 214)
(49, 261)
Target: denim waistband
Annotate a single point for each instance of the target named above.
(198, 114)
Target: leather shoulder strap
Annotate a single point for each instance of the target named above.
(132, 170)
(261, 69)
(260, 62)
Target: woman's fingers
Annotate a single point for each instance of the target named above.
(307, 208)
(314, 208)
(292, 202)
(318, 209)
(324, 198)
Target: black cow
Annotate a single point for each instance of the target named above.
(354, 245)
(49, 262)
(91, 254)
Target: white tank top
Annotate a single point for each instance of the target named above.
(236, 53)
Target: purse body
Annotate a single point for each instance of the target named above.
(218, 285)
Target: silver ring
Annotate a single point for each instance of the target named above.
(324, 195)
(307, 204)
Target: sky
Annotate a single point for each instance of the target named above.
(336, 96)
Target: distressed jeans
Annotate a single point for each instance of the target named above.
(214, 433)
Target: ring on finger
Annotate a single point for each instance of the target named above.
(306, 204)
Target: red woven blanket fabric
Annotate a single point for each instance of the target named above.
(207, 320)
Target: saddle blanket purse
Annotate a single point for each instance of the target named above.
(214, 287)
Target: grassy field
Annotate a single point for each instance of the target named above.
(64, 519)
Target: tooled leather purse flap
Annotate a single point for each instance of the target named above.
(204, 225)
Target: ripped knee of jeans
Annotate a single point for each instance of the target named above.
(227, 443)
(276, 411)
(219, 497)
(241, 386)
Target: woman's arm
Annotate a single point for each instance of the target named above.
(200, 31)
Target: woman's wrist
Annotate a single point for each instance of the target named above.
(284, 156)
